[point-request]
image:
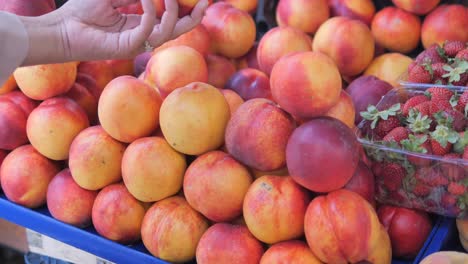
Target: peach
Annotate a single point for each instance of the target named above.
(152, 170)
(348, 42)
(294, 251)
(121, 67)
(278, 42)
(129, 109)
(366, 90)
(85, 99)
(175, 67)
(95, 159)
(198, 39)
(41, 82)
(13, 118)
(417, 7)
(279, 172)
(194, 118)
(274, 209)
(100, 71)
(343, 110)
(362, 183)
(90, 84)
(244, 5)
(185, 7)
(25, 175)
(342, 227)
(446, 22)
(9, 85)
(215, 185)
(396, 30)
(226, 243)
(389, 67)
(315, 88)
(140, 62)
(233, 99)
(362, 10)
(232, 31)
(308, 154)
(220, 70)
(53, 125)
(117, 215)
(446, 257)
(257, 134)
(304, 15)
(249, 84)
(171, 229)
(28, 7)
(136, 9)
(68, 202)
(249, 60)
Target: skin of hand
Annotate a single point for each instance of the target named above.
(84, 30)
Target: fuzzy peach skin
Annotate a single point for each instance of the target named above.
(244, 5)
(28, 7)
(342, 227)
(136, 9)
(389, 67)
(194, 118)
(233, 99)
(315, 88)
(257, 134)
(84, 98)
(226, 243)
(68, 202)
(293, 251)
(362, 10)
(95, 159)
(462, 226)
(9, 85)
(446, 257)
(249, 60)
(417, 7)
(15, 108)
(45, 81)
(363, 183)
(348, 42)
(171, 229)
(100, 71)
(121, 67)
(129, 109)
(304, 15)
(215, 185)
(152, 170)
(277, 43)
(274, 209)
(25, 175)
(396, 29)
(249, 84)
(52, 126)
(185, 7)
(220, 69)
(90, 84)
(343, 110)
(198, 39)
(446, 22)
(117, 215)
(175, 67)
(232, 31)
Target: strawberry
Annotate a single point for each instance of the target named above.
(412, 102)
(397, 134)
(419, 122)
(452, 48)
(450, 167)
(456, 188)
(451, 119)
(382, 121)
(465, 153)
(393, 174)
(431, 176)
(442, 139)
(461, 143)
(461, 104)
(399, 197)
(437, 73)
(417, 144)
(425, 108)
(419, 74)
(431, 55)
(448, 200)
(441, 105)
(438, 149)
(421, 189)
(385, 126)
(457, 72)
(439, 93)
(463, 54)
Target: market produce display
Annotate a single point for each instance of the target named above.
(337, 137)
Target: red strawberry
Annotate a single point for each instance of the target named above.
(456, 188)
(463, 80)
(421, 190)
(463, 54)
(397, 134)
(430, 55)
(430, 204)
(385, 126)
(459, 121)
(452, 48)
(425, 108)
(465, 153)
(419, 74)
(431, 177)
(437, 72)
(462, 102)
(398, 197)
(393, 174)
(440, 93)
(448, 200)
(412, 102)
(437, 149)
(419, 145)
(441, 105)
(450, 168)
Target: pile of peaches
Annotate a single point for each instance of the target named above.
(220, 149)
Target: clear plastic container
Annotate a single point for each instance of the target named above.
(403, 81)
(434, 173)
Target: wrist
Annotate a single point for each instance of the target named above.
(46, 44)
